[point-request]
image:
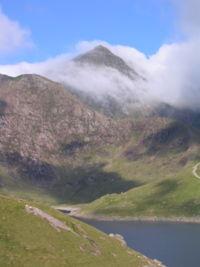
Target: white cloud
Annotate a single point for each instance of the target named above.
(172, 73)
(95, 80)
(189, 16)
(12, 35)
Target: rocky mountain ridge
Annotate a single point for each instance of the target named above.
(41, 119)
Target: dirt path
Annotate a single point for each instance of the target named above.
(195, 170)
(55, 223)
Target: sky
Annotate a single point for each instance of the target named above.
(52, 27)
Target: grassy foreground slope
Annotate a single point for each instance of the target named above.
(29, 240)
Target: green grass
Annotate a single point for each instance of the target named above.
(29, 241)
(176, 195)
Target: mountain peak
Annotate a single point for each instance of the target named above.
(101, 48)
(102, 56)
(95, 55)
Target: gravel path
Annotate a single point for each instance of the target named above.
(55, 223)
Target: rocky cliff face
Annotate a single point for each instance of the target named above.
(40, 119)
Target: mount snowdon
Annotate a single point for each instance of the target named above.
(105, 82)
(57, 143)
(102, 56)
(49, 141)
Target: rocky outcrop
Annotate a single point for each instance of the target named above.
(120, 238)
(55, 223)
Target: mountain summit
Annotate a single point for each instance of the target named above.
(102, 56)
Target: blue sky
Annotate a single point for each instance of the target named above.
(56, 26)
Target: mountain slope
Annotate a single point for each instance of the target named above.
(45, 133)
(175, 195)
(161, 161)
(49, 238)
(53, 147)
(39, 118)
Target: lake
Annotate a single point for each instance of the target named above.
(176, 245)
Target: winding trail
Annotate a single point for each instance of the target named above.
(195, 169)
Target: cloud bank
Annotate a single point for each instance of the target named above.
(172, 73)
(188, 16)
(97, 81)
(12, 35)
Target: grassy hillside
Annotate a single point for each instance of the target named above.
(172, 195)
(160, 165)
(28, 240)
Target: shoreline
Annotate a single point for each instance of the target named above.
(76, 213)
(189, 220)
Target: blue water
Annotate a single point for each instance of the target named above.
(176, 245)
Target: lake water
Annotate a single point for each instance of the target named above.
(176, 245)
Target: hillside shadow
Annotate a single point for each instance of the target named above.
(3, 106)
(87, 183)
(184, 115)
(173, 138)
(67, 184)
